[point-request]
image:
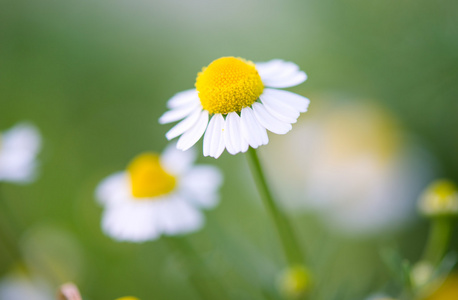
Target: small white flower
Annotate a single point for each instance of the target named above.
(19, 287)
(158, 195)
(19, 147)
(380, 297)
(353, 165)
(440, 198)
(234, 103)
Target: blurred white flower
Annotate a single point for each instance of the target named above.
(440, 198)
(353, 165)
(20, 287)
(294, 282)
(19, 147)
(158, 195)
(242, 101)
(380, 297)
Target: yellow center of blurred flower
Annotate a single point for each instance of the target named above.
(443, 189)
(128, 298)
(294, 282)
(228, 84)
(440, 197)
(148, 178)
(448, 290)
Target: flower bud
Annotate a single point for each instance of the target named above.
(440, 198)
(421, 274)
(294, 282)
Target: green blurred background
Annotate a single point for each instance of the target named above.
(94, 77)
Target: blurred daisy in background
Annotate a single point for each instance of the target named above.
(238, 98)
(18, 286)
(158, 194)
(446, 290)
(19, 147)
(380, 297)
(440, 198)
(351, 163)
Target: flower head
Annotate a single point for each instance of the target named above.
(439, 198)
(233, 104)
(447, 290)
(19, 147)
(19, 286)
(380, 297)
(294, 282)
(157, 194)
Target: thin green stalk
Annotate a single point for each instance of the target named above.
(201, 278)
(7, 236)
(289, 242)
(438, 240)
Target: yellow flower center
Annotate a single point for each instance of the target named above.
(128, 298)
(147, 177)
(440, 197)
(294, 282)
(444, 189)
(228, 84)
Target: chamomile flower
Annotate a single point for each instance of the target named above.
(233, 104)
(352, 164)
(157, 194)
(18, 286)
(19, 147)
(440, 198)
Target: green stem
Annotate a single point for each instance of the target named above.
(289, 241)
(438, 240)
(7, 236)
(201, 278)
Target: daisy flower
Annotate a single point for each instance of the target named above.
(157, 194)
(359, 150)
(440, 198)
(19, 147)
(18, 286)
(233, 104)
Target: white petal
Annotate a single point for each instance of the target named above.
(178, 217)
(295, 101)
(23, 137)
(286, 81)
(175, 161)
(190, 137)
(253, 132)
(201, 185)
(183, 98)
(268, 68)
(114, 190)
(178, 113)
(18, 286)
(213, 138)
(18, 149)
(268, 121)
(279, 109)
(234, 140)
(184, 125)
(134, 222)
(280, 74)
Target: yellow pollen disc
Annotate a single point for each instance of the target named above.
(228, 84)
(444, 189)
(147, 177)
